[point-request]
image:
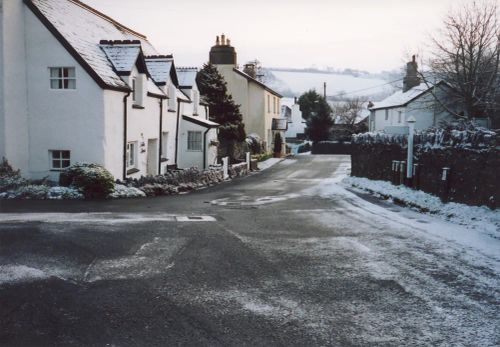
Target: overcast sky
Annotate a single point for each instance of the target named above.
(372, 35)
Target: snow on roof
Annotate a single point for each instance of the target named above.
(154, 89)
(187, 76)
(83, 28)
(123, 57)
(201, 121)
(401, 98)
(159, 68)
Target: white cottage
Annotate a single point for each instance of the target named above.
(75, 86)
(417, 99)
(260, 105)
(290, 110)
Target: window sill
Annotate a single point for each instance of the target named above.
(139, 107)
(173, 111)
(57, 170)
(133, 171)
(163, 160)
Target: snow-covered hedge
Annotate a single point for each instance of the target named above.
(473, 138)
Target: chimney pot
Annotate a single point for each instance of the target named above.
(217, 41)
(223, 39)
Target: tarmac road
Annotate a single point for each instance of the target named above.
(285, 257)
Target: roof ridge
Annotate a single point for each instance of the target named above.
(108, 18)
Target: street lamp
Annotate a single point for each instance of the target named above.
(409, 160)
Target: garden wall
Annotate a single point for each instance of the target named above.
(331, 147)
(473, 162)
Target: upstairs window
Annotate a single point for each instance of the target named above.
(62, 78)
(194, 140)
(386, 114)
(59, 159)
(134, 89)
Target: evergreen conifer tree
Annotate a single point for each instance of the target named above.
(318, 115)
(222, 108)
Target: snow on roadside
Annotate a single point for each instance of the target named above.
(473, 217)
(266, 164)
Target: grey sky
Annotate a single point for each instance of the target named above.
(364, 34)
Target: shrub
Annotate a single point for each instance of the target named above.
(94, 181)
(32, 192)
(278, 143)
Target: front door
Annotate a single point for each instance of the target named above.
(152, 169)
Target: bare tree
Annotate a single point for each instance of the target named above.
(350, 110)
(466, 55)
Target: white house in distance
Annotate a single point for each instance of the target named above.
(290, 110)
(77, 86)
(417, 99)
(259, 104)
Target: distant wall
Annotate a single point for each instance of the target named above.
(330, 147)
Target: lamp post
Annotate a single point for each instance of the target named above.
(409, 160)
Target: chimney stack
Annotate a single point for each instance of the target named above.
(223, 53)
(411, 79)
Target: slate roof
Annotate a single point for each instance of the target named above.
(123, 57)
(187, 76)
(400, 98)
(160, 69)
(251, 79)
(201, 121)
(80, 29)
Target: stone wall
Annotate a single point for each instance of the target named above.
(472, 179)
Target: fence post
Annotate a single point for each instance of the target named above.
(248, 160)
(445, 183)
(409, 168)
(225, 167)
(402, 172)
(416, 176)
(395, 166)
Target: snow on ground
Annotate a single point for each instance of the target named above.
(266, 164)
(473, 217)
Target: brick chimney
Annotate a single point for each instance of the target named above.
(411, 79)
(223, 53)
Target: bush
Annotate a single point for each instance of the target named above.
(278, 143)
(94, 181)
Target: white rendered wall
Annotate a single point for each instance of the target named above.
(187, 158)
(14, 135)
(60, 119)
(298, 124)
(143, 125)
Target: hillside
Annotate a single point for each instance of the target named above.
(294, 83)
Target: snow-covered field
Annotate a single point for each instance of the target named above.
(300, 82)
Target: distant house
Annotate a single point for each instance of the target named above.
(77, 86)
(417, 99)
(296, 124)
(259, 104)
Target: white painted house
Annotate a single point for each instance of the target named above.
(77, 86)
(260, 106)
(417, 99)
(290, 110)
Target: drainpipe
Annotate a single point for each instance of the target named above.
(205, 149)
(160, 142)
(125, 110)
(177, 130)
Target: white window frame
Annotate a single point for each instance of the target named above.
(58, 155)
(132, 154)
(196, 144)
(164, 144)
(400, 116)
(62, 76)
(268, 103)
(134, 89)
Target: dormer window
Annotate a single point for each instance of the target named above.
(172, 101)
(137, 84)
(62, 78)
